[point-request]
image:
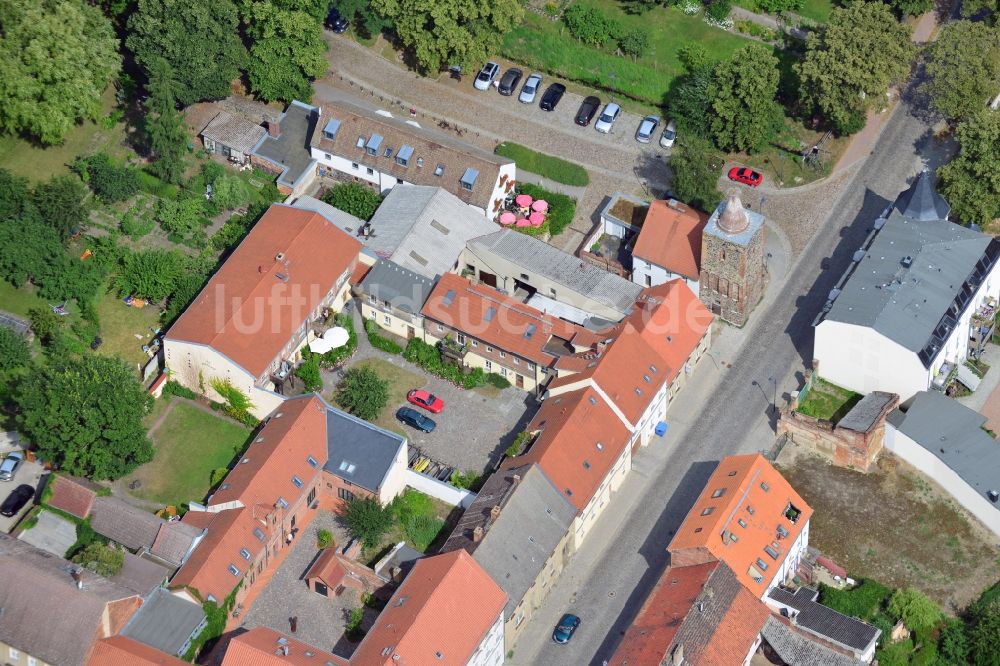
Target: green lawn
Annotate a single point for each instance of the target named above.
(189, 444)
(546, 45)
(548, 166)
(417, 519)
(827, 401)
(817, 10)
(18, 300)
(120, 324)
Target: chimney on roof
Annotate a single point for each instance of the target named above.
(78, 577)
(494, 513)
(477, 534)
(396, 574)
(274, 127)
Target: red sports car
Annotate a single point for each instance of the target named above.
(428, 401)
(745, 176)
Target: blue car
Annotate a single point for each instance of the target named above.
(412, 417)
(564, 630)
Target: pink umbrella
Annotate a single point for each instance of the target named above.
(523, 223)
(523, 200)
(536, 218)
(507, 218)
(541, 205)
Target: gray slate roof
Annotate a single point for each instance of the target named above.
(865, 413)
(542, 259)
(402, 288)
(795, 648)
(953, 433)
(140, 575)
(44, 614)
(824, 622)
(906, 304)
(123, 523)
(340, 219)
(534, 517)
(165, 622)
(290, 150)
(424, 228)
(175, 541)
(234, 131)
(358, 451)
(921, 202)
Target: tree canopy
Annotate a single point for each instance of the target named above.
(85, 415)
(56, 59)
(61, 204)
(164, 125)
(984, 636)
(969, 182)
(451, 32)
(915, 609)
(363, 393)
(354, 198)
(199, 40)
(14, 350)
(151, 274)
(288, 52)
(963, 68)
(852, 60)
(695, 179)
(744, 113)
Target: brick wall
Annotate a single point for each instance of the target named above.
(846, 448)
(732, 276)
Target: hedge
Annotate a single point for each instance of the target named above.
(379, 341)
(561, 207)
(428, 357)
(181, 391)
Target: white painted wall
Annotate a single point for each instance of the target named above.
(490, 650)
(396, 479)
(642, 269)
(975, 502)
(442, 491)
(790, 563)
(585, 520)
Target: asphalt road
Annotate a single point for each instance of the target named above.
(721, 412)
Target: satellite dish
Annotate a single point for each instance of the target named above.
(336, 337)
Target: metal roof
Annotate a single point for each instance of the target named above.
(358, 451)
(166, 622)
(865, 413)
(754, 222)
(288, 151)
(402, 288)
(921, 202)
(912, 274)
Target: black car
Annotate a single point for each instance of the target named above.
(414, 418)
(334, 21)
(16, 500)
(509, 81)
(587, 110)
(552, 96)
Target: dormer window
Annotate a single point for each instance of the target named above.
(373, 144)
(297, 481)
(331, 128)
(468, 180)
(404, 156)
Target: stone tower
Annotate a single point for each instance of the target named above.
(732, 260)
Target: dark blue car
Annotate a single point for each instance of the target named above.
(414, 418)
(564, 630)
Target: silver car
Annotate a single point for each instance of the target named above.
(10, 465)
(646, 129)
(486, 75)
(530, 89)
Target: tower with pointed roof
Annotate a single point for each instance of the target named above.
(732, 260)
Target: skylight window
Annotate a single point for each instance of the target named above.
(771, 552)
(762, 564)
(297, 481)
(245, 553)
(282, 503)
(388, 152)
(361, 142)
(312, 461)
(530, 331)
(233, 570)
(439, 170)
(490, 313)
(347, 467)
(449, 297)
(592, 400)
(258, 533)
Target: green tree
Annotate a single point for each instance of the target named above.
(634, 43)
(915, 609)
(911, 7)
(14, 351)
(369, 22)
(744, 113)
(101, 558)
(164, 125)
(56, 58)
(151, 274)
(972, 8)
(230, 191)
(451, 32)
(689, 102)
(288, 52)
(308, 372)
(984, 636)
(183, 217)
(963, 68)
(106, 179)
(85, 416)
(367, 520)
(16, 201)
(354, 198)
(969, 181)
(696, 176)
(851, 61)
(61, 204)
(45, 323)
(200, 40)
(28, 249)
(363, 393)
(590, 25)
(953, 643)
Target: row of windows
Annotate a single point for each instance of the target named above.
(724, 287)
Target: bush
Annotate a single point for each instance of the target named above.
(367, 520)
(308, 372)
(354, 198)
(864, 601)
(153, 185)
(466, 480)
(108, 181)
(497, 380)
(230, 191)
(590, 25)
(218, 476)
(634, 43)
(718, 10)
(212, 171)
(363, 393)
(136, 228)
(428, 357)
(561, 207)
(378, 341)
(102, 559)
(324, 539)
(515, 447)
(353, 628)
(181, 391)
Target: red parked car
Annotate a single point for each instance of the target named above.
(428, 401)
(745, 176)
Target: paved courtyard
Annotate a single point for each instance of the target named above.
(51, 533)
(29, 473)
(321, 620)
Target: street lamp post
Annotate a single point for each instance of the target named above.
(774, 394)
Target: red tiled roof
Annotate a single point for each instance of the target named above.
(671, 319)
(484, 313)
(359, 273)
(580, 441)
(246, 311)
(671, 237)
(72, 495)
(260, 646)
(327, 569)
(737, 633)
(439, 615)
(124, 651)
(748, 498)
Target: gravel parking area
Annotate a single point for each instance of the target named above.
(29, 473)
(321, 620)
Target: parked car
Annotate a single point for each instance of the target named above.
(509, 81)
(10, 465)
(530, 89)
(412, 417)
(552, 95)
(647, 128)
(486, 75)
(334, 21)
(16, 500)
(425, 399)
(587, 110)
(565, 629)
(745, 176)
(608, 118)
(669, 135)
